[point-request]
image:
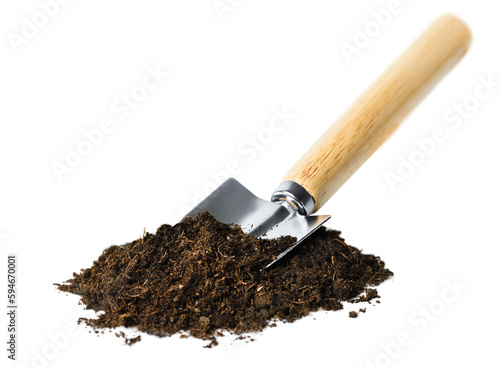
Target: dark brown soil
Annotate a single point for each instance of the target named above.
(200, 277)
(128, 340)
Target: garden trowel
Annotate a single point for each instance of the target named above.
(345, 146)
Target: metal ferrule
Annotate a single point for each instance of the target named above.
(296, 195)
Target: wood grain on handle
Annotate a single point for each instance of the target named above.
(364, 127)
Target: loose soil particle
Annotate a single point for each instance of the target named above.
(201, 277)
(128, 340)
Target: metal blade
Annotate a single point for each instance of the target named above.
(232, 203)
(297, 226)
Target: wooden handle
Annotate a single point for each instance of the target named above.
(362, 129)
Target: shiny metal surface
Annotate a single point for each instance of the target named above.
(232, 203)
(296, 195)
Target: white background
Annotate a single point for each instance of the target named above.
(226, 76)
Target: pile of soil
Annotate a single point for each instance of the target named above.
(200, 277)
